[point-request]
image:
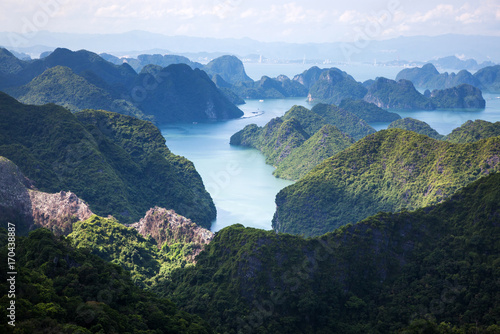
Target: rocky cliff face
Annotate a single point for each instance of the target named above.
(15, 204)
(23, 205)
(463, 96)
(167, 227)
(59, 211)
(309, 77)
(230, 68)
(390, 94)
(28, 208)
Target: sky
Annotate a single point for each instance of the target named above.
(263, 20)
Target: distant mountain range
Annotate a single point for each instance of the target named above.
(133, 43)
(186, 91)
(82, 79)
(428, 77)
(391, 94)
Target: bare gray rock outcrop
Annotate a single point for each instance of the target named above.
(28, 208)
(168, 227)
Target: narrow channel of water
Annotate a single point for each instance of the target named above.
(238, 179)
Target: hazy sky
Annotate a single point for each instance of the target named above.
(264, 20)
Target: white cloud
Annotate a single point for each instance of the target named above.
(116, 11)
(350, 17)
(266, 20)
(249, 13)
(439, 12)
(468, 18)
(294, 13)
(485, 11)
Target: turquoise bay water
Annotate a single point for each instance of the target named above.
(238, 179)
(444, 121)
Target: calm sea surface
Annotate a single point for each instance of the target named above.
(240, 182)
(238, 179)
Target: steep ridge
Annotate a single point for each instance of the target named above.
(428, 77)
(63, 289)
(178, 93)
(463, 96)
(61, 85)
(302, 138)
(230, 68)
(83, 79)
(276, 139)
(147, 59)
(15, 202)
(176, 240)
(21, 204)
(167, 227)
(118, 164)
(391, 170)
(309, 77)
(472, 131)
(489, 77)
(325, 143)
(269, 88)
(415, 125)
(368, 112)
(57, 212)
(334, 85)
(150, 250)
(411, 270)
(346, 121)
(100, 72)
(390, 94)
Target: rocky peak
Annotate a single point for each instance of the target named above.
(58, 211)
(282, 78)
(168, 227)
(462, 96)
(23, 205)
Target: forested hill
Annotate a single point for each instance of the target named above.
(62, 289)
(428, 77)
(302, 138)
(390, 170)
(402, 94)
(118, 164)
(83, 79)
(415, 125)
(472, 131)
(434, 270)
